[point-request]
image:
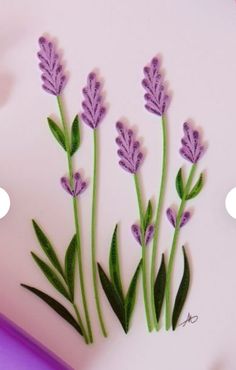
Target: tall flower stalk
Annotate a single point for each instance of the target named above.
(54, 82)
(131, 157)
(93, 113)
(157, 103)
(191, 150)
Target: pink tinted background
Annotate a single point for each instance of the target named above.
(196, 42)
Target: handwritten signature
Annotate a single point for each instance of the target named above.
(190, 320)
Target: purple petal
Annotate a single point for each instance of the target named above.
(185, 218)
(66, 185)
(192, 149)
(136, 233)
(149, 234)
(171, 215)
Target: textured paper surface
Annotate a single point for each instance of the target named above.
(196, 41)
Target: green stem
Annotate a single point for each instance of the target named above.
(76, 220)
(80, 322)
(93, 234)
(144, 262)
(174, 246)
(158, 218)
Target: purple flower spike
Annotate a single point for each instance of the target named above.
(93, 108)
(53, 76)
(192, 149)
(129, 149)
(157, 100)
(185, 218)
(171, 215)
(79, 185)
(137, 233)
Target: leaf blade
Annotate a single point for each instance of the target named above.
(112, 296)
(114, 264)
(148, 215)
(56, 306)
(131, 296)
(51, 276)
(159, 288)
(182, 292)
(197, 188)
(70, 266)
(47, 247)
(179, 183)
(57, 133)
(75, 135)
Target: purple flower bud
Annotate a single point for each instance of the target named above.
(53, 76)
(129, 149)
(79, 185)
(93, 108)
(192, 148)
(137, 233)
(157, 100)
(172, 217)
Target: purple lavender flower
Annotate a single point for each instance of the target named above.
(79, 185)
(172, 217)
(94, 110)
(137, 233)
(157, 100)
(129, 149)
(53, 76)
(192, 149)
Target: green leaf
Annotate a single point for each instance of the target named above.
(131, 296)
(148, 215)
(57, 133)
(179, 183)
(114, 265)
(56, 306)
(47, 248)
(182, 292)
(51, 276)
(197, 188)
(70, 266)
(112, 296)
(159, 288)
(75, 135)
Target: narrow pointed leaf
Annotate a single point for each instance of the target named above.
(70, 266)
(114, 265)
(51, 276)
(159, 288)
(179, 184)
(75, 135)
(182, 292)
(57, 133)
(112, 296)
(148, 215)
(131, 296)
(197, 188)
(47, 248)
(56, 306)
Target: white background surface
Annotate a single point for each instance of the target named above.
(196, 41)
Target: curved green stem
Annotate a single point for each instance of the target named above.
(158, 218)
(93, 235)
(144, 262)
(174, 245)
(76, 220)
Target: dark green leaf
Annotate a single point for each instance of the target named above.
(131, 296)
(148, 215)
(197, 188)
(56, 306)
(70, 266)
(75, 135)
(114, 265)
(112, 296)
(57, 133)
(51, 276)
(182, 292)
(179, 184)
(159, 288)
(47, 248)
